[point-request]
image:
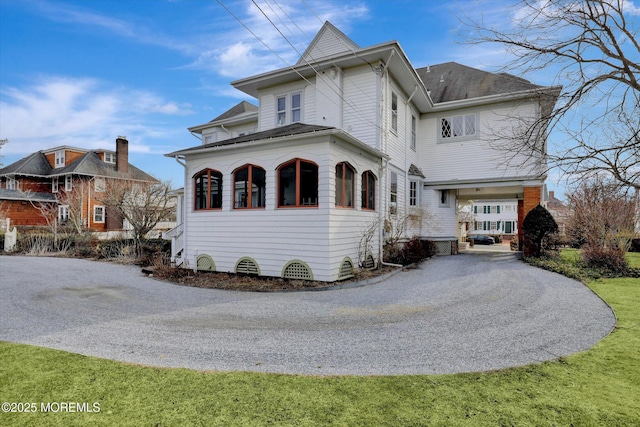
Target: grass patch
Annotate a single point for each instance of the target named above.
(598, 387)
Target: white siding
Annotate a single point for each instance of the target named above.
(441, 221)
(320, 236)
(361, 104)
(474, 159)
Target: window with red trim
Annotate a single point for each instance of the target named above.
(249, 187)
(298, 184)
(368, 190)
(208, 190)
(344, 185)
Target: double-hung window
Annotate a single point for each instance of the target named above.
(208, 190)
(11, 184)
(289, 109)
(394, 112)
(54, 184)
(98, 214)
(459, 127)
(393, 194)
(413, 193)
(345, 177)
(63, 213)
(59, 158)
(249, 187)
(68, 182)
(298, 184)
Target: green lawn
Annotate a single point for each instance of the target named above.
(599, 387)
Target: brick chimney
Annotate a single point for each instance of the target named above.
(122, 154)
(551, 195)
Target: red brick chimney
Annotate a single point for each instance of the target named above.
(551, 195)
(122, 154)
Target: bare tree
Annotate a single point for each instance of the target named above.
(593, 48)
(142, 204)
(602, 220)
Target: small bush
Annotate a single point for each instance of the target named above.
(537, 225)
(610, 259)
(415, 250)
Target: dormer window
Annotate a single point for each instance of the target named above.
(59, 159)
(288, 109)
(109, 158)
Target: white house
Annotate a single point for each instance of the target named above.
(495, 217)
(343, 145)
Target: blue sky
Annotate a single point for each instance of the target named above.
(80, 73)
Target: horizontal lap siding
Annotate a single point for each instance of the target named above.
(442, 221)
(271, 236)
(361, 105)
(474, 159)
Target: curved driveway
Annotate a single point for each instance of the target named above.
(471, 312)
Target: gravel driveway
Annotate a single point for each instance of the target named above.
(471, 312)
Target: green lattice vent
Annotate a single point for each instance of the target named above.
(297, 270)
(205, 263)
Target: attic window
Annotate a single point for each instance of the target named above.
(109, 158)
(59, 159)
(460, 127)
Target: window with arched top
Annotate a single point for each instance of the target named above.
(368, 190)
(249, 188)
(207, 190)
(298, 184)
(345, 177)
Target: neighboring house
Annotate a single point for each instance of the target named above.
(66, 181)
(344, 146)
(495, 217)
(560, 212)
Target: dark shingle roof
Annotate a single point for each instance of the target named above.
(243, 107)
(281, 131)
(416, 171)
(6, 194)
(452, 81)
(88, 164)
(33, 164)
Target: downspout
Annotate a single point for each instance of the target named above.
(184, 216)
(226, 130)
(407, 184)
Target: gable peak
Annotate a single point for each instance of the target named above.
(328, 42)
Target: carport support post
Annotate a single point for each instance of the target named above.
(531, 197)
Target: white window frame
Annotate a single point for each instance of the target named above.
(464, 135)
(68, 182)
(95, 214)
(414, 198)
(285, 115)
(99, 184)
(393, 193)
(11, 184)
(444, 198)
(394, 112)
(59, 159)
(54, 184)
(109, 158)
(63, 213)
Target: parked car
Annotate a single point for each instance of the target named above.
(479, 239)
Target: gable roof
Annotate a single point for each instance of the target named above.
(452, 82)
(328, 42)
(88, 164)
(241, 108)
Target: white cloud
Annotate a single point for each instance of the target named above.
(81, 112)
(267, 48)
